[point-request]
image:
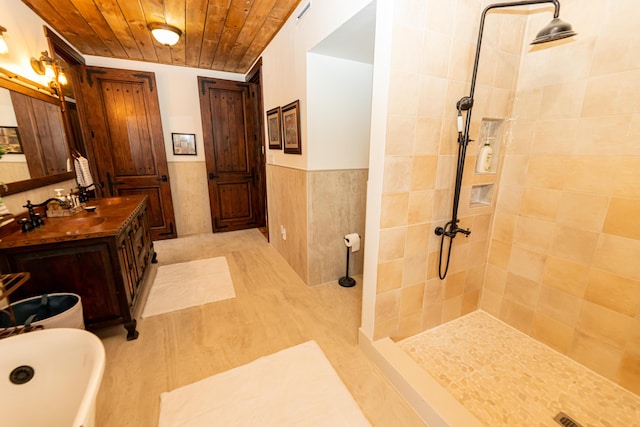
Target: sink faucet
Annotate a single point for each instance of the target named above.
(35, 219)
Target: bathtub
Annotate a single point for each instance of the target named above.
(50, 378)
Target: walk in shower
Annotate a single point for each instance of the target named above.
(545, 266)
(556, 29)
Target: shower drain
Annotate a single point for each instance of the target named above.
(565, 420)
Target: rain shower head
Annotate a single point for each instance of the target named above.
(555, 30)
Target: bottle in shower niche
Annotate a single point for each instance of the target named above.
(485, 157)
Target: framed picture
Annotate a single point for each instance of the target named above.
(184, 144)
(9, 140)
(291, 128)
(274, 128)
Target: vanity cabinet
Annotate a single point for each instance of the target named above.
(103, 256)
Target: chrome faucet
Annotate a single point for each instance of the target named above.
(35, 219)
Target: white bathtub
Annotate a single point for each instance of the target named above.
(67, 370)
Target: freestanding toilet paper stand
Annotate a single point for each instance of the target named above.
(347, 281)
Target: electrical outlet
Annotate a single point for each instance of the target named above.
(283, 232)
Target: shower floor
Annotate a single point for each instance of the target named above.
(505, 378)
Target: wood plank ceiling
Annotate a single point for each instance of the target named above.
(223, 35)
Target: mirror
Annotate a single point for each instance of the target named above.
(32, 133)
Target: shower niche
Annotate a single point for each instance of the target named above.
(487, 160)
(488, 154)
(481, 195)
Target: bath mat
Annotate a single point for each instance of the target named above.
(294, 387)
(188, 284)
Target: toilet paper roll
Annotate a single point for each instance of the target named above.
(352, 241)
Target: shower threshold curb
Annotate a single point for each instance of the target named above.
(432, 402)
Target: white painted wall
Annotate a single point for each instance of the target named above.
(338, 112)
(25, 38)
(284, 62)
(177, 95)
(7, 113)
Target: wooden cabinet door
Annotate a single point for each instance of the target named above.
(85, 269)
(127, 269)
(126, 141)
(232, 154)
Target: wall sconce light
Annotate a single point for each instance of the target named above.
(50, 68)
(165, 34)
(3, 44)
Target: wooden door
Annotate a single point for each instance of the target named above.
(232, 153)
(126, 141)
(42, 133)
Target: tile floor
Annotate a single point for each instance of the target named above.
(273, 310)
(505, 378)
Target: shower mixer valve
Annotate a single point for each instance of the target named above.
(453, 231)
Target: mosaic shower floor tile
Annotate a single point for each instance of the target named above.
(505, 378)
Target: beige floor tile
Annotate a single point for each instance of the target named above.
(273, 310)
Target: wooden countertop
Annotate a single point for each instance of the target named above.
(111, 215)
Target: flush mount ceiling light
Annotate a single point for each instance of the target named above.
(165, 33)
(3, 44)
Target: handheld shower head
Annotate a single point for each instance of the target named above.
(555, 30)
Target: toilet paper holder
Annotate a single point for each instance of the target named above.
(352, 242)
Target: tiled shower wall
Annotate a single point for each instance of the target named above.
(433, 51)
(564, 263)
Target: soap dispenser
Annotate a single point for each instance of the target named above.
(485, 157)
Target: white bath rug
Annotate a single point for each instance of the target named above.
(294, 387)
(188, 284)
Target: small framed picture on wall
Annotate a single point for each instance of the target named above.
(10, 140)
(291, 128)
(184, 144)
(274, 127)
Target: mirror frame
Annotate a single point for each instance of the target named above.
(14, 82)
